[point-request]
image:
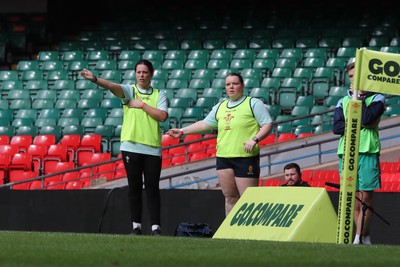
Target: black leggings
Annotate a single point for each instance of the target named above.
(137, 166)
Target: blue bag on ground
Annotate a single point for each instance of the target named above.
(188, 229)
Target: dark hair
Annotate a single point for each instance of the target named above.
(237, 75)
(146, 63)
(291, 166)
(351, 66)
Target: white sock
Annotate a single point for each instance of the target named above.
(356, 239)
(136, 225)
(366, 240)
(155, 227)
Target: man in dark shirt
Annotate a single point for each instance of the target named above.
(292, 174)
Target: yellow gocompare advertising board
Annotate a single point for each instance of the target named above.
(377, 71)
(287, 213)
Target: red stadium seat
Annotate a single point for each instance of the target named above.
(272, 182)
(396, 177)
(5, 161)
(211, 151)
(85, 173)
(21, 161)
(55, 153)
(283, 137)
(5, 140)
(320, 183)
(120, 171)
(21, 176)
(177, 151)
(86, 183)
(38, 153)
(307, 174)
(396, 186)
(92, 141)
(90, 144)
(84, 156)
(167, 140)
(178, 155)
(166, 158)
(196, 147)
(44, 139)
(55, 185)
(301, 135)
(100, 157)
(332, 176)
(210, 142)
(58, 151)
(8, 149)
(320, 175)
(72, 141)
(64, 166)
(37, 185)
(386, 176)
(105, 170)
(74, 185)
(269, 140)
(70, 176)
(389, 166)
(192, 137)
(178, 160)
(386, 186)
(198, 156)
(166, 162)
(196, 151)
(2, 176)
(60, 167)
(22, 141)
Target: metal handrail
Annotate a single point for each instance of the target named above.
(268, 154)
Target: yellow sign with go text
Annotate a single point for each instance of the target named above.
(289, 213)
(377, 71)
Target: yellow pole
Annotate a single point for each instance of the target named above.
(349, 173)
(348, 183)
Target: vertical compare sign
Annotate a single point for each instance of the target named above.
(349, 173)
(374, 71)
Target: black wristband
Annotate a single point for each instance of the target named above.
(94, 80)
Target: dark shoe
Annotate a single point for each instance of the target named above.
(136, 231)
(156, 232)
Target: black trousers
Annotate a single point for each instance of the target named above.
(143, 169)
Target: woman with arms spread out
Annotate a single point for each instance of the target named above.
(242, 122)
(144, 108)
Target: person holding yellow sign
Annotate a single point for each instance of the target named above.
(368, 178)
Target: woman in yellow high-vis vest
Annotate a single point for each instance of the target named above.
(144, 108)
(242, 122)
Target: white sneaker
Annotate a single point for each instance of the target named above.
(366, 240)
(356, 240)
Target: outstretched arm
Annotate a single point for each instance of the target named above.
(115, 88)
(197, 127)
